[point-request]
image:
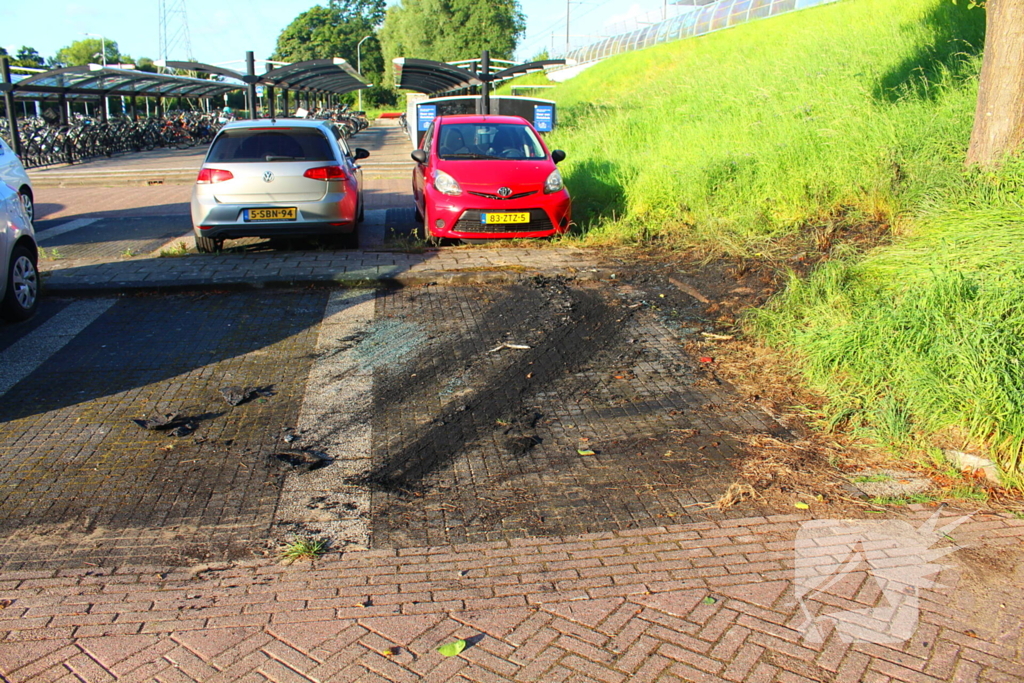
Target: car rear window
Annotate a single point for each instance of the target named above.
(254, 144)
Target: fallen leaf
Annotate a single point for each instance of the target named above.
(585, 451)
(801, 506)
(452, 649)
(709, 600)
(390, 652)
(707, 359)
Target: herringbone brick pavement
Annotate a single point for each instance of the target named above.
(697, 602)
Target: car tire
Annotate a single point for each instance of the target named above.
(28, 203)
(361, 216)
(22, 296)
(208, 245)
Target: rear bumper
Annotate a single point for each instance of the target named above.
(290, 229)
(335, 214)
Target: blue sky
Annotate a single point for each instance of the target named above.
(222, 31)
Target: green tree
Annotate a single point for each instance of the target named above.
(334, 31)
(325, 32)
(28, 56)
(90, 51)
(449, 30)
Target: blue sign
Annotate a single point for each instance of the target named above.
(427, 114)
(544, 118)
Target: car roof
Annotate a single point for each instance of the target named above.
(479, 118)
(282, 122)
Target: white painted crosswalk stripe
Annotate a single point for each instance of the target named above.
(335, 420)
(21, 358)
(63, 228)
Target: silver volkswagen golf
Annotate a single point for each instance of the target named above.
(277, 178)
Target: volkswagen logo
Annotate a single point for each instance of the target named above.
(504, 191)
(268, 177)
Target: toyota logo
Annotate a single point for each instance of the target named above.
(268, 177)
(504, 191)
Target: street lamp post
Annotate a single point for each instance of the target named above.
(103, 57)
(103, 45)
(359, 68)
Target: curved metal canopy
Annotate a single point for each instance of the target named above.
(426, 76)
(326, 75)
(316, 75)
(432, 78)
(97, 80)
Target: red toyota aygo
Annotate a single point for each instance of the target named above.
(488, 177)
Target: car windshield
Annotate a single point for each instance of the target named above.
(488, 141)
(244, 145)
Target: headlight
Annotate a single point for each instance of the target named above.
(445, 184)
(554, 182)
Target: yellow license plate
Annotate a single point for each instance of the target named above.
(500, 218)
(288, 214)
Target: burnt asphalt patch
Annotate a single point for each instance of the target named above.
(80, 482)
(602, 423)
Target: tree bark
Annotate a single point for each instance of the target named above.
(999, 116)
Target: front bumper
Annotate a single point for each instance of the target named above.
(452, 220)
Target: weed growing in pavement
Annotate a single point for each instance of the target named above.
(303, 549)
(179, 249)
(127, 253)
(407, 243)
(52, 255)
(872, 478)
(962, 492)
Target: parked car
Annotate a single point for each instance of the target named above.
(481, 177)
(277, 178)
(19, 274)
(13, 173)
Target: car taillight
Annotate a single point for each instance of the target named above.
(326, 173)
(213, 175)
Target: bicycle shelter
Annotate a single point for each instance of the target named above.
(318, 77)
(95, 82)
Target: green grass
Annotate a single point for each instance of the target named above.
(855, 109)
(303, 549)
(848, 114)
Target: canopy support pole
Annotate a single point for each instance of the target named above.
(250, 88)
(12, 114)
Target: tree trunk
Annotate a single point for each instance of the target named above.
(999, 116)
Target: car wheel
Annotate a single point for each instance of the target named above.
(419, 216)
(362, 214)
(26, 201)
(208, 245)
(22, 295)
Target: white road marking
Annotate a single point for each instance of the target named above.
(44, 235)
(21, 358)
(335, 420)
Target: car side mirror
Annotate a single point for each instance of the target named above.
(557, 155)
(361, 153)
(419, 156)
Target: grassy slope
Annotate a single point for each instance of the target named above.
(855, 111)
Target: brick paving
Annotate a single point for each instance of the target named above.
(720, 598)
(711, 601)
